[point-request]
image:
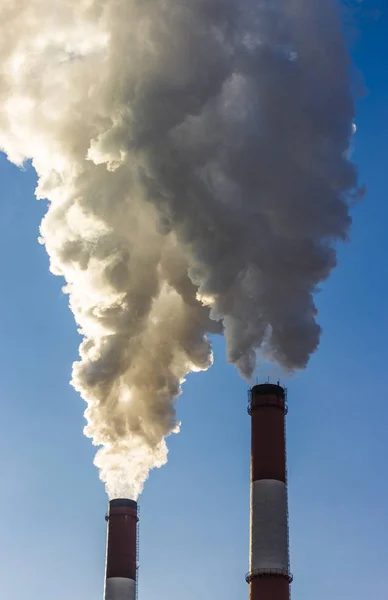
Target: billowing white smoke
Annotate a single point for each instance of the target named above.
(195, 156)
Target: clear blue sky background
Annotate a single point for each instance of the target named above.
(195, 511)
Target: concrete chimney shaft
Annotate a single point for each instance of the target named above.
(269, 577)
(121, 553)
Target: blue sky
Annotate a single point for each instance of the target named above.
(195, 511)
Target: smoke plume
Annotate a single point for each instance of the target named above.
(195, 156)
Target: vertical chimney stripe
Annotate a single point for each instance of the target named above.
(269, 530)
(120, 588)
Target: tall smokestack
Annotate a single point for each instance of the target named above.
(121, 554)
(269, 576)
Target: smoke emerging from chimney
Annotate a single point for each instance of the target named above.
(195, 155)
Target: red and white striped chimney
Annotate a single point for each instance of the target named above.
(121, 553)
(269, 577)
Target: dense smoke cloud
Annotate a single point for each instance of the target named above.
(195, 154)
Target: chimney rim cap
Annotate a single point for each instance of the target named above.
(266, 389)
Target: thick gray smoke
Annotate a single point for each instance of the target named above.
(195, 154)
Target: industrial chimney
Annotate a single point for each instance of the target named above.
(269, 577)
(121, 553)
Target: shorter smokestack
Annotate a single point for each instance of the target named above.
(121, 553)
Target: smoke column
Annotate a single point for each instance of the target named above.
(195, 156)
